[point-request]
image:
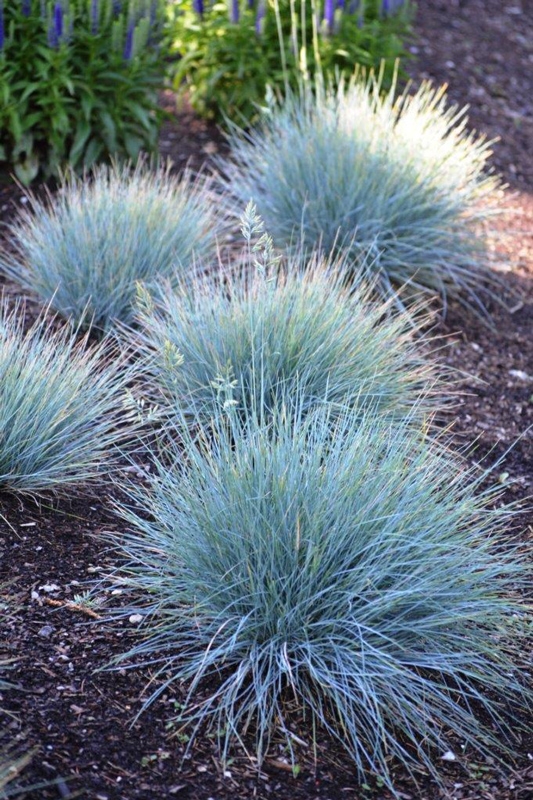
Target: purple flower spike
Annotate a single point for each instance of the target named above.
(26, 7)
(329, 14)
(385, 8)
(128, 47)
(198, 6)
(234, 11)
(117, 7)
(259, 17)
(58, 21)
(95, 16)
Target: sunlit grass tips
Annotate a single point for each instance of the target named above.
(398, 177)
(84, 249)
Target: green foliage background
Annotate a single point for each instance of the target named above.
(227, 67)
(82, 101)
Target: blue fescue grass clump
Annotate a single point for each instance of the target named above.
(399, 177)
(252, 339)
(346, 567)
(63, 406)
(84, 250)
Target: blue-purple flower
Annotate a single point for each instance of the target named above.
(26, 8)
(260, 16)
(329, 14)
(95, 16)
(198, 6)
(391, 6)
(56, 26)
(128, 47)
(234, 11)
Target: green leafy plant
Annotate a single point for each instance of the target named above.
(249, 340)
(397, 184)
(78, 82)
(229, 56)
(341, 565)
(84, 250)
(63, 407)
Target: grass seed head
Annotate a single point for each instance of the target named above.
(255, 338)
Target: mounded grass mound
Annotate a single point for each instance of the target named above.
(334, 563)
(62, 406)
(84, 249)
(254, 338)
(398, 177)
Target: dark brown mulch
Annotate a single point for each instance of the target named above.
(483, 50)
(80, 719)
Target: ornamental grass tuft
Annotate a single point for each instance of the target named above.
(84, 250)
(254, 337)
(361, 577)
(397, 177)
(63, 406)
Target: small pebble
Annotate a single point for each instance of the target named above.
(448, 756)
(46, 631)
(518, 373)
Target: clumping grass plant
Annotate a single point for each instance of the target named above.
(63, 406)
(84, 250)
(398, 177)
(343, 566)
(252, 339)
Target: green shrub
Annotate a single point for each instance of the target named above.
(62, 407)
(398, 178)
(78, 82)
(267, 330)
(84, 251)
(361, 576)
(230, 56)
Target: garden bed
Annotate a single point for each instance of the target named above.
(80, 720)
